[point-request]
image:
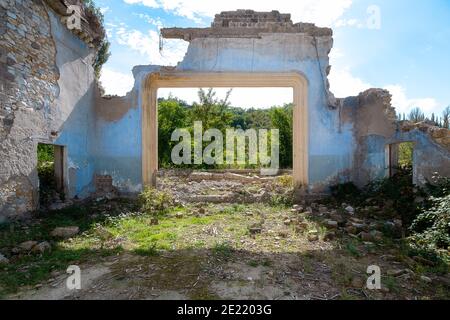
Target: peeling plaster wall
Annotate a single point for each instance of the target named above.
(49, 95)
(430, 159)
(331, 143)
(46, 97)
(74, 107)
(375, 128)
(346, 143)
(118, 135)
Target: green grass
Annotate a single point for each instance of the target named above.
(256, 263)
(111, 228)
(29, 270)
(352, 249)
(223, 250)
(96, 237)
(391, 283)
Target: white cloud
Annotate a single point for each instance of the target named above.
(155, 22)
(321, 12)
(349, 23)
(104, 10)
(147, 44)
(148, 3)
(116, 83)
(403, 104)
(344, 84)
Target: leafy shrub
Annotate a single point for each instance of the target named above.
(438, 186)
(432, 227)
(400, 191)
(285, 181)
(155, 201)
(282, 199)
(223, 250)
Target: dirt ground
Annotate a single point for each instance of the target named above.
(237, 252)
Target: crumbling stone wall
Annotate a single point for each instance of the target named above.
(441, 136)
(34, 100)
(28, 75)
(347, 137)
(28, 81)
(375, 127)
(49, 95)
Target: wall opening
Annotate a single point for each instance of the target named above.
(401, 159)
(170, 79)
(51, 172)
(225, 109)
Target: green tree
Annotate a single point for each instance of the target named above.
(172, 115)
(212, 111)
(282, 119)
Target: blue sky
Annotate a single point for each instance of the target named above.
(406, 50)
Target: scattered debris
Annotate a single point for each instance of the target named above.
(350, 210)
(27, 245)
(42, 248)
(3, 259)
(313, 235)
(65, 233)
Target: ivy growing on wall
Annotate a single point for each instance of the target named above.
(103, 52)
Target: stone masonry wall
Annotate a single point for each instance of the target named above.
(28, 82)
(46, 96)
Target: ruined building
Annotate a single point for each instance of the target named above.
(49, 95)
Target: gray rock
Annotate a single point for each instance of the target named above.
(332, 224)
(65, 233)
(350, 209)
(313, 235)
(27, 245)
(365, 236)
(42, 247)
(358, 226)
(3, 259)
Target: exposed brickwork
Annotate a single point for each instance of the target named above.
(103, 184)
(246, 24)
(251, 19)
